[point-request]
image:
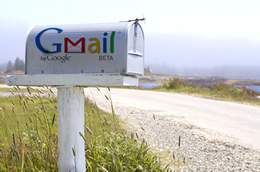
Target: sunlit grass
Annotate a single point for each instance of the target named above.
(216, 90)
(28, 133)
(21, 90)
(29, 141)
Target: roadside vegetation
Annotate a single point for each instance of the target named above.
(217, 90)
(29, 141)
(20, 90)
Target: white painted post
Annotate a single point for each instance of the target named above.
(71, 109)
(70, 123)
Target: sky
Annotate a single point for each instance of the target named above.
(178, 33)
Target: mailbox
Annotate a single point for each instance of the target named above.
(116, 48)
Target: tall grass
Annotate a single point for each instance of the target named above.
(28, 133)
(29, 141)
(219, 90)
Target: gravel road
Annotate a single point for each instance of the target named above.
(215, 135)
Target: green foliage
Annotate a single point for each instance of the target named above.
(250, 92)
(28, 133)
(227, 91)
(217, 90)
(17, 66)
(9, 67)
(223, 90)
(17, 90)
(175, 83)
(119, 152)
(28, 137)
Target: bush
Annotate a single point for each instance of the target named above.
(235, 93)
(220, 86)
(250, 92)
(219, 90)
(175, 83)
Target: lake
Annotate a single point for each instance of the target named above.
(149, 85)
(254, 87)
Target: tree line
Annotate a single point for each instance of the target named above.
(17, 65)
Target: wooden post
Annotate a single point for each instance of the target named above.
(71, 109)
(70, 123)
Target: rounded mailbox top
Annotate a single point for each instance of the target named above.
(86, 48)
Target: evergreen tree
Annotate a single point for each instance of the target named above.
(19, 64)
(9, 67)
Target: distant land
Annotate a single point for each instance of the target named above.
(228, 72)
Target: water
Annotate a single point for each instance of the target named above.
(254, 87)
(149, 85)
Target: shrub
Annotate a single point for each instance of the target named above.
(250, 92)
(175, 83)
(220, 86)
(216, 90)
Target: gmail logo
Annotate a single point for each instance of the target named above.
(74, 47)
(77, 45)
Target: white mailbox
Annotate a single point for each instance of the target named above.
(116, 48)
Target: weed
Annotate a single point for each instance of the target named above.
(217, 90)
(29, 141)
(174, 83)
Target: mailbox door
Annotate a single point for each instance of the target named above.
(135, 50)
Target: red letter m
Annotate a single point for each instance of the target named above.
(71, 47)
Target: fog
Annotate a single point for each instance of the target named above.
(198, 52)
(181, 55)
(178, 54)
(201, 56)
(231, 72)
(181, 37)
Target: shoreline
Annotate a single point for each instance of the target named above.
(197, 80)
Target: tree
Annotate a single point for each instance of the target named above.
(19, 64)
(9, 67)
(147, 70)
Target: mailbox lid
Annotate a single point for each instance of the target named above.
(63, 54)
(135, 50)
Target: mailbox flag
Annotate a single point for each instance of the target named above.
(71, 47)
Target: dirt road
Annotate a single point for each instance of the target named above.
(236, 121)
(215, 135)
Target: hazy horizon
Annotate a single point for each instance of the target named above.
(180, 34)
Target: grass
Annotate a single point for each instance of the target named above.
(28, 133)
(29, 141)
(218, 90)
(15, 89)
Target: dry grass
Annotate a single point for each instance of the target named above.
(219, 90)
(28, 137)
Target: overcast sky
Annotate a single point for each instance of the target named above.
(182, 33)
